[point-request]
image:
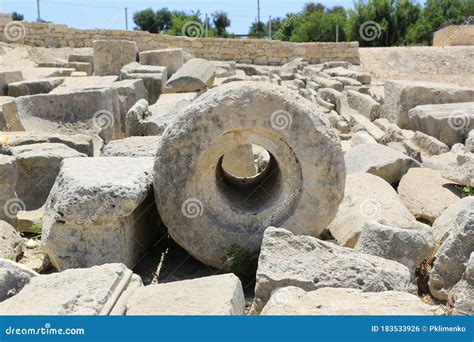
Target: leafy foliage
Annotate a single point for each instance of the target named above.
(468, 190)
(242, 262)
(397, 22)
(17, 16)
(221, 22)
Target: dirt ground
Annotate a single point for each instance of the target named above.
(449, 64)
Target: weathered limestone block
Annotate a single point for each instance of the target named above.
(214, 295)
(194, 75)
(309, 263)
(364, 104)
(470, 142)
(100, 210)
(129, 92)
(453, 218)
(362, 77)
(79, 142)
(361, 137)
(110, 56)
(406, 246)
(29, 220)
(328, 83)
(37, 166)
(368, 198)
(132, 147)
(82, 59)
(154, 78)
(379, 160)
(346, 81)
(7, 77)
(11, 243)
(146, 120)
(13, 277)
(359, 121)
(89, 291)
(331, 301)
(451, 259)
(461, 172)
(224, 69)
(215, 210)
(461, 297)
(9, 203)
(3, 100)
(33, 87)
(426, 194)
(172, 59)
(429, 145)
(401, 96)
(448, 122)
(72, 84)
(94, 112)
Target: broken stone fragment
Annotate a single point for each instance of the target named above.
(100, 210)
(402, 95)
(9, 202)
(214, 295)
(451, 259)
(331, 301)
(110, 56)
(132, 147)
(37, 167)
(406, 246)
(172, 59)
(86, 291)
(368, 198)
(194, 75)
(309, 263)
(11, 243)
(426, 194)
(13, 277)
(379, 160)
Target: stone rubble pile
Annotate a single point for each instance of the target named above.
(301, 189)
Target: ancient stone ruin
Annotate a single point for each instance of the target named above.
(139, 180)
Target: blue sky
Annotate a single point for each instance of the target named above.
(111, 14)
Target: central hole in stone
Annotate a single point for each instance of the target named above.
(248, 176)
(245, 163)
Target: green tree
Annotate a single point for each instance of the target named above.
(286, 27)
(382, 22)
(435, 15)
(221, 22)
(311, 7)
(183, 24)
(146, 20)
(318, 23)
(258, 30)
(17, 16)
(163, 19)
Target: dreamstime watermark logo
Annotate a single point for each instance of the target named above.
(370, 30)
(102, 119)
(459, 120)
(192, 208)
(281, 119)
(280, 209)
(13, 206)
(280, 297)
(286, 24)
(460, 28)
(14, 30)
(193, 29)
(370, 208)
